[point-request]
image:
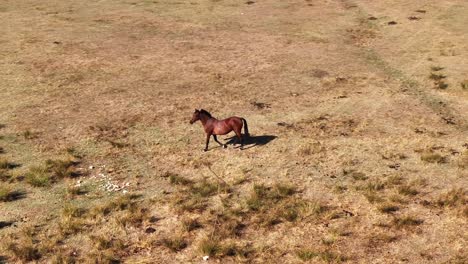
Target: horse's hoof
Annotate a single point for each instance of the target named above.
(224, 146)
(205, 150)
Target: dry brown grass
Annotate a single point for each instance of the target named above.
(346, 118)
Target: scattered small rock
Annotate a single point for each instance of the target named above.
(348, 213)
(205, 258)
(341, 79)
(414, 18)
(260, 105)
(421, 11)
(392, 23)
(284, 124)
(57, 42)
(318, 73)
(372, 18)
(91, 167)
(250, 2)
(154, 219)
(150, 230)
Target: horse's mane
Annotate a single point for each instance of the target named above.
(203, 111)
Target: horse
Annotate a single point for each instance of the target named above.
(214, 127)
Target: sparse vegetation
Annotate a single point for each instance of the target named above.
(464, 85)
(431, 157)
(209, 246)
(190, 224)
(453, 198)
(5, 164)
(326, 256)
(60, 168)
(38, 176)
(388, 208)
(437, 77)
(175, 243)
(407, 190)
(179, 180)
(8, 194)
(462, 162)
(406, 221)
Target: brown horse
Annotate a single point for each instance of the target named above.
(215, 127)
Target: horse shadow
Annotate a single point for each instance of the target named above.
(251, 141)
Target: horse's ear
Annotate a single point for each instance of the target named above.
(196, 110)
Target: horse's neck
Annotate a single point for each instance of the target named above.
(204, 119)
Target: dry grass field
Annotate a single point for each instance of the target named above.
(358, 112)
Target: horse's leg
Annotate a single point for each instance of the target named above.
(216, 139)
(239, 136)
(207, 141)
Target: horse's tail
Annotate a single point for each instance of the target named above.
(246, 128)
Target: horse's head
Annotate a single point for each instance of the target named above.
(195, 116)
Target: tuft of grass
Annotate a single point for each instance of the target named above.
(102, 256)
(231, 249)
(134, 216)
(407, 190)
(441, 85)
(25, 251)
(359, 176)
(120, 203)
(175, 243)
(383, 238)
(464, 84)
(372, 186)
(432, 157)
(7, 194)
(209, 246)
(204, 188)
(77, 190)
(453, 198)
(462, 162)
(436, 68)
(5, 164)
(437, 77)
(395, 180)
(373, 197)
(38, 176)
(103, 242)
(4, 175)
(406, 221)
(60, 168)
(306, 254)
(71, 220)
(179, 180)
(186, 202)
(28, 134)
(326, 256)
(388, 208)
(190, 224)
(284, 190)
(263, 196)
(339, 188)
